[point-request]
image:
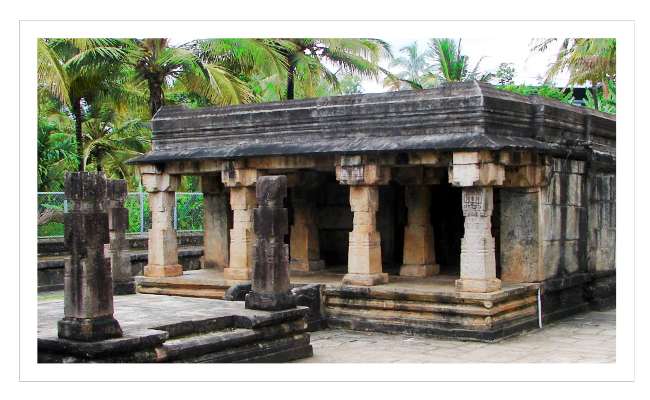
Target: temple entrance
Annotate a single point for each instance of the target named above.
(448, 226)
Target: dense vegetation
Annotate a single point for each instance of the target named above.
(96, 97)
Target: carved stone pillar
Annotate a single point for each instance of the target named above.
(216, 217)
(364, 248)
(477, 254)
(241, 182)
(118, 248)
(163, 240)
(88, 283)
(419, 253)
(304, 245)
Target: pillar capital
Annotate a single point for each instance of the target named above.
(235, 174)
(359, 170)
(160, 182)
(475, 168)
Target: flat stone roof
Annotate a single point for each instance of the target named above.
(459, 116)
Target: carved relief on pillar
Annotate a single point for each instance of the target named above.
(163, 241)
(242, 203)
(477, 256)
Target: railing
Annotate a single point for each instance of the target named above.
(188, 213)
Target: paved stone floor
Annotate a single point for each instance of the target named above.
(584, 338)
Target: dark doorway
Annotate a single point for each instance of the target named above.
(448, 225)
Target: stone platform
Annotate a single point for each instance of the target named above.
(429, 305)
(172, 329)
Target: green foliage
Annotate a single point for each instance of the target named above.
(547, 90)
(450, 65)
(505, 74)
(600, 103)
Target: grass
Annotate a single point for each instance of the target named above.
(59, 296)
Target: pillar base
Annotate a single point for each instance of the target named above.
(123, 286)
(306, 266)
(163, 271)
(89, 329)
(420, 270)
(365, 279)
(270, 301)
(237, 274)
(478, 285)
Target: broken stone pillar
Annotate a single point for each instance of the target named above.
(304, 246)
(419, 253)
(88, 282)
(271, 288)
(118, 248)
(163, 240)
(216, 217)
(477, 254)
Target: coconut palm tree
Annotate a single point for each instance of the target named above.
(451, 65)
(79, 72)
(110, 139)
(306, 61)
(586, 59)
(416, 70)
(210, 68)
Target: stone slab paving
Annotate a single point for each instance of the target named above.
(584, 338)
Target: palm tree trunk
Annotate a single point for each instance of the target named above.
(155, 97)
(76, 108)
(290, 82)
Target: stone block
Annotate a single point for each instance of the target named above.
(85, 229)
(163, 271)
(161, 182)
(116, 190)
(232, 176)
(118, 219)
(478, 285)
(85, 191)
(365, 279)
(364, 198)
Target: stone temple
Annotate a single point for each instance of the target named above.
(465, 210)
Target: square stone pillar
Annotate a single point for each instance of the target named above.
(304, 242)
(242, 202)
(88, 282)
(419, 253)
(216, 220)
(477, 254)
(118, 248)
(163, 240)
(364, 253)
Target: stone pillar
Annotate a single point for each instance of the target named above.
(364, 247)
(163, 240)
(216, 220)
(419, 253)
(118, 248)
(241, 182)
(88, 282)
(242, 202)
(476, 172)
(477, 254)
(271, 288)
(304, 245)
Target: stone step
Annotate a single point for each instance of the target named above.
(208, 293)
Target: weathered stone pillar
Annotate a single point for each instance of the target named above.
(163, 240)
(216, 217)
(271, 288)
(419, 253)
(118, 248)
(476, 172)
(88, 282)
(364, 251)
(241, 182)
(304, 245)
